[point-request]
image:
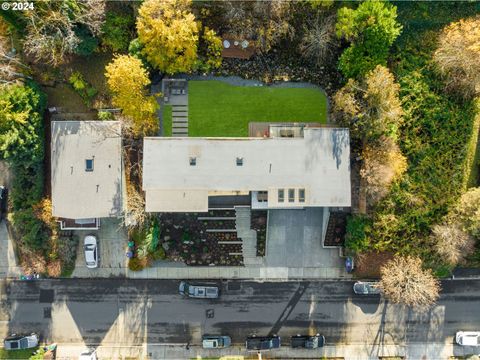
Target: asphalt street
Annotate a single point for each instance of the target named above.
(134, 312)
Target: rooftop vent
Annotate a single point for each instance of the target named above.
(239, 161)
(193, 161)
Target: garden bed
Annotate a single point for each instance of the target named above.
(336, 229)
(185, 238)
(258, 222)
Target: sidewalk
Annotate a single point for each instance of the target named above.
(218, 272)
(435, 351)
(8, 262)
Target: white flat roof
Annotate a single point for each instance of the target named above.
(318, 163)
(77, 193)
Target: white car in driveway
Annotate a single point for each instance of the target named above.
(91, 251)
(468, 338)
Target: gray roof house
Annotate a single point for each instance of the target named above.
(86, 172)
(185, 174)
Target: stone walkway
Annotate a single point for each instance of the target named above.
(248, 236)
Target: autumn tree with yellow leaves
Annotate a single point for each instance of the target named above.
(169, 34)
(458, 56)
(128, 80)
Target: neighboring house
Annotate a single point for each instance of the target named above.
(86, 172)
(302, 168)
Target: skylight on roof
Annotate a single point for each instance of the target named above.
(193, 161)
(89, 165)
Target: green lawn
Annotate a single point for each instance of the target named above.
(167, 120)
(16, 354)
(216, 108)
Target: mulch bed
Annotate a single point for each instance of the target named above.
(367, 266)
(336, 229)
(185, 238)
(258, 222)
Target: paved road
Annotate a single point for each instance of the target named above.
(128, 312)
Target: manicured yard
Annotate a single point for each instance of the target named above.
(16, 354)
(167, 120)
(219, 109)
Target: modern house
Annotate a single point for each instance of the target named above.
(293, 170)
(86, 172)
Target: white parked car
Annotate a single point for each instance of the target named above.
(88, 354)
(91, 251)
(468, 338)
(20, 342)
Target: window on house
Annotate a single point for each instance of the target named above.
(89, 165)
(291, 195)
(239, 161)
(193, 161)
(301, 195)
(262, 196)
(281, 195)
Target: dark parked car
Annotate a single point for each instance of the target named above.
(3, 200)
(19, 342)
(308, 342)
(262, 342)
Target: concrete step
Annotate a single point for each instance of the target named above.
(179, 126)
(180, 120)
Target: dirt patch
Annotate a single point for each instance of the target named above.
(368, 265)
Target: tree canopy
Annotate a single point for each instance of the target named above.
(458, 56)
(169, 34)
(371, 29)
(127, 80)
(21, 126)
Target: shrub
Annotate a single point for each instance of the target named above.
(117, 31)
(88, 43)
(104, 115)
(30, 229)
(356, 237)
(82, 87)
(136, 264)
(158, 254)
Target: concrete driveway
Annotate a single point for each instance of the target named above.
(295, 240)
(112, 242)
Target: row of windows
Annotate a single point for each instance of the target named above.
(193, 161)
(291, 195)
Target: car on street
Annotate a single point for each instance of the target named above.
(91, 251)
(3, 201)
(216, 341)
(19, 342)
(366, 288)
(88, 354)
(307, 341)
(263, 342)
(468, 338)
(198, 291)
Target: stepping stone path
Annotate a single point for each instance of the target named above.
(180, 118)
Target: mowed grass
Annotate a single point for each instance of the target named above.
(216, 108)
(167, 120)
(16, 354)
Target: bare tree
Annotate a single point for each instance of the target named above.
(452, 243)
(382, 164)
(404, 281)
(51, 28)
(319, 39)
(458, 56)
(10, 66)
(468, 211)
